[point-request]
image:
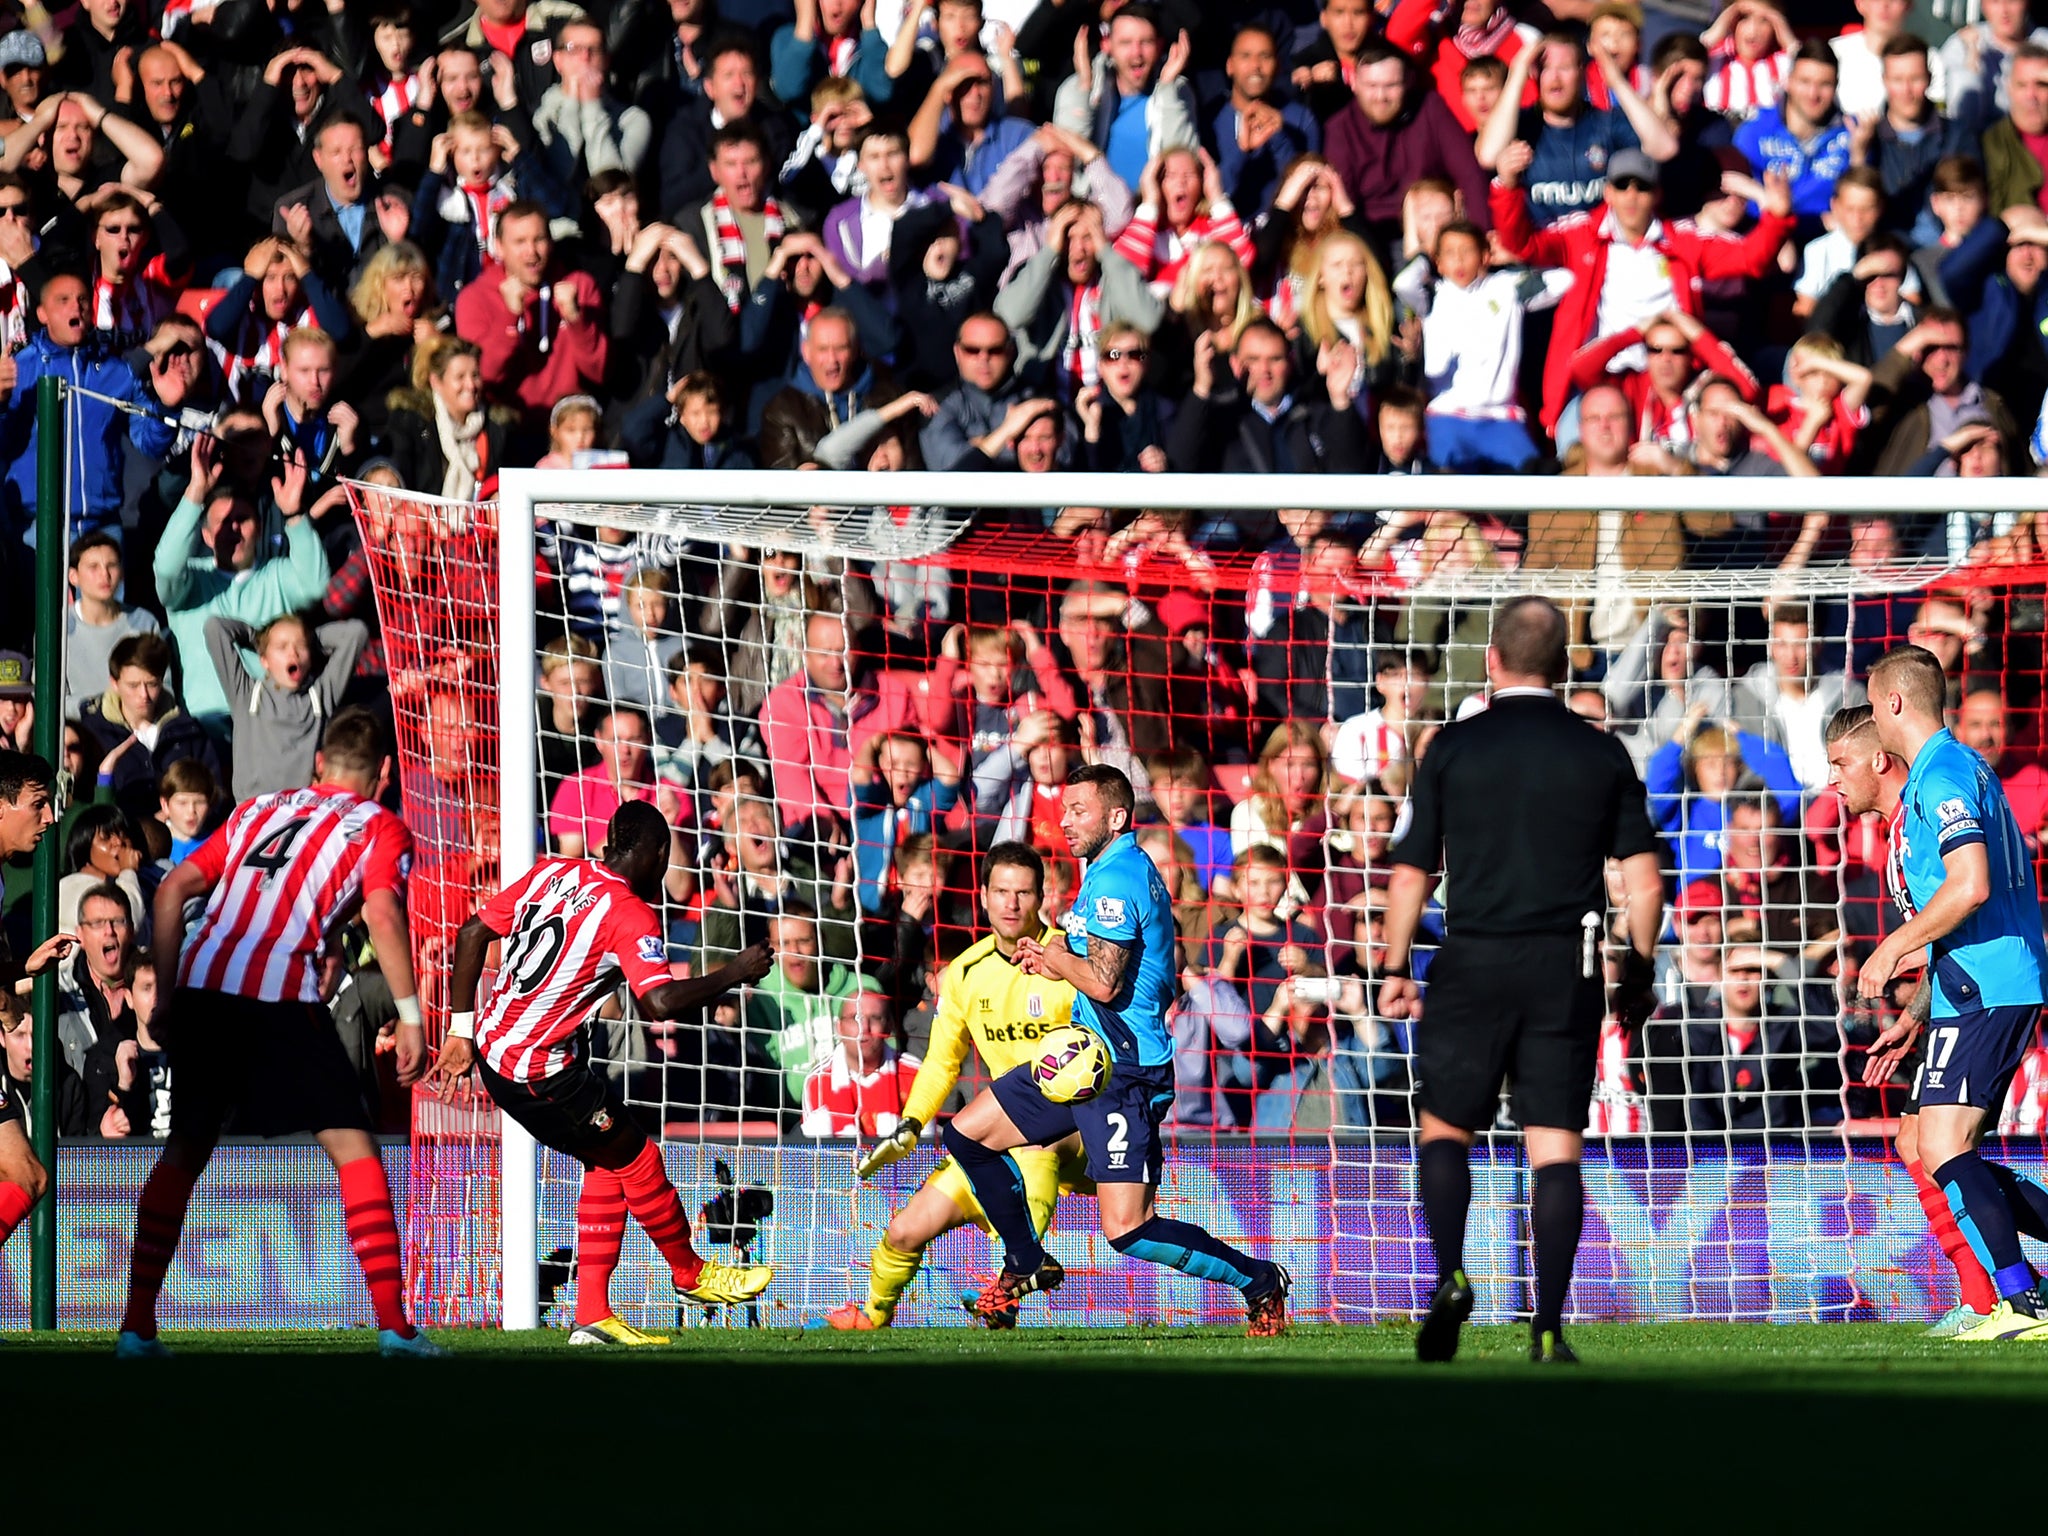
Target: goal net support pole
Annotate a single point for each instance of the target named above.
(519, 822)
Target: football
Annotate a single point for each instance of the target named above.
(1071, 1066)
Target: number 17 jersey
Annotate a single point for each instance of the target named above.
(572, 930)
(1994, 958)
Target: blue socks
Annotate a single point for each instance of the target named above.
(1193, 1251)
(999, 1186)
(1979, 1202)
(2026, 1199)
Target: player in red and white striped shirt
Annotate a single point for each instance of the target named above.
(248, 1030)
(573, 929)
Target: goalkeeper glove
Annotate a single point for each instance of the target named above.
(894, 1147)
(1635, 996)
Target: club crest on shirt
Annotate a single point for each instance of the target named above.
(652, 949)
(1035, 1006)
(543, 51)
(1109, 911)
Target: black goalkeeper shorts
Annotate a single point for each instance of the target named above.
(12, 1110)
(1515, 1009)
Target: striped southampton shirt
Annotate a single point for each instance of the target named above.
(284, 869)
(573, 929)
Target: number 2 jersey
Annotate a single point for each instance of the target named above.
(286, 869)
(572, 930)
(1994, 958)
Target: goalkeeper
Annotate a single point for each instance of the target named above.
(988, 1003)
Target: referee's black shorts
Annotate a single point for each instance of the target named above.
(1515, 1008)
(577, 1112)
(252, 1068)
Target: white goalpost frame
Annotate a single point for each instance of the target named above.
(695, 496)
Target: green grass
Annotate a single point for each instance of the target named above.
(1687, 1426)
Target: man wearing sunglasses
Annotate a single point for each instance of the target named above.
(1628, 264)
(971, 413)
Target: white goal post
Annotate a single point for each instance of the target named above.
(766, 509)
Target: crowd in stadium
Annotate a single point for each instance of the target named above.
(274, 244)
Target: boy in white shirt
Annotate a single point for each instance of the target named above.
(1472, 352)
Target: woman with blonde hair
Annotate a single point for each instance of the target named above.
(443, 442)
(1286, 788)
(1349, 304)
(1310, 206)
(396, 310)
(1213, 297)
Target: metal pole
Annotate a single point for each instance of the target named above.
(519, 816)
(49, 742)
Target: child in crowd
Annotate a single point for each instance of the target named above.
(1750, 48)
(695, 732)
(469, 182)
(999, 675)
(1822, 409)
(685, 428)
(1267, 944)
(1472, 351)
(1480, 83)
(1018, 785)
(824, 168)
(1853, 213)
(393, 83)
(573, 427)
(896, 794)
(1181, 789)
(639, 651)
(1398, 424)
(185, 796)
(1367, 745)
(279, 717)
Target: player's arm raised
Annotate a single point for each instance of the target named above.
(675, 999)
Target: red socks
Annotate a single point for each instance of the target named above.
(373, 1233)
(600, 1229)
(1977, 1292)
(657, 1207)
(159, 1218)
(14, 1207)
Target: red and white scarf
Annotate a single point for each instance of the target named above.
(14, 312)
(394, 101)
(486, 201)
(1484, 42)
(256, 350)
(839, 54)
(1078, 363)
(732, 245)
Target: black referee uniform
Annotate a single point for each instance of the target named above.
(1520, 806)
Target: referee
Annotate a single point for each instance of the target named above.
(1520, 806)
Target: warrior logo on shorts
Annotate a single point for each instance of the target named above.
(602, 1120)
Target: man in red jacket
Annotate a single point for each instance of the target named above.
(1627, 264)
(542, 332)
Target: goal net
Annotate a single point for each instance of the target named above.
(840, 705)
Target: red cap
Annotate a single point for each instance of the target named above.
(1700, 896)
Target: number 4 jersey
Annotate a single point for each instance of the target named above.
(572, 928)
(286, 868)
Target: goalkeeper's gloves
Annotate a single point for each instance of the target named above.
(1635, 996)
(892, 1148)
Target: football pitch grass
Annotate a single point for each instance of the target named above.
(1685, 1426)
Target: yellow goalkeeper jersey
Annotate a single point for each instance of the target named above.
(987, 1003)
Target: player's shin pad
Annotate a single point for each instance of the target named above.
(999, 1187)
(1191, 1250)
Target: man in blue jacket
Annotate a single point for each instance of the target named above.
(112, 402)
